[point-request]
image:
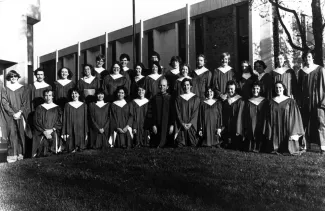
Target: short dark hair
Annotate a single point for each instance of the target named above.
(121, 88)
(12, 73)
(114, 63)
(158, 65)
(185, 80)
(175, 58)
(47, 91)
(100, 91)
(210, 88)
(140, 65)
(285, 90)
(91, 69)
(305, 54)
(124, 55)
(188, 67)
(156, 54)
(230, 83)
(37, 70)
(202, 55)
(69, 71)
(261, 63)
(225, 54)
(74, 89)
(100, 57)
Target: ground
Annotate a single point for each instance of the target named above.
(164, 179)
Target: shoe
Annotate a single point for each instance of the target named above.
(12, 159)
(20, 157)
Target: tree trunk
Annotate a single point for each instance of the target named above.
(318, 31)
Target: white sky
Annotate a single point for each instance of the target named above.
(65, 22)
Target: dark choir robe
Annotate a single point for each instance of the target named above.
(3, 117)
(100, 73)
(128, 73)
(15, 98)
(36, 93)
(121, 116)
(201, 81)
(187, 111)
(151, 83)
(135, 83)
(178, 89)
(283, 120)
(141, 122)
(75, 124)
(231, 109)
(210, 119)
(47, 116)
(220, 77)
(62, 90)
(252, 124)
(311, 83)
(288, 77)
(111, 83)
(267, 85)
(162, 114)
(245, 85)
(88, 88)
(171, 76)
(99, 118)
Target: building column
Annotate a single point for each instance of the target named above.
(187, 32)
(176, 39)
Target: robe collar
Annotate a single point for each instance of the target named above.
(116, 76)
(63, 82)
(138, 78)
(100, 104)
(279, 100)
(233, 99)
(201, 70)
(125, 69)
(281, 70)
(120, 103)
(224, 69)
(210, 102)
(175, 71)
(310, 69)
(256, 100)
(88, 80)
(48, 106)
(182, 78)
(246, 75)
(40, 85)
(260, 76)
(13, 87)
(99, 69)
(141, 102)
(76, 104)
(154, 76)
(188, 96)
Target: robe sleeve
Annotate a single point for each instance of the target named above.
(130, 118)
(58, 124)
(6, 104)
(135, 116)
(195, 112)
(295, 121)
(178, 119)
(92, 119)
(241, 118)
(294, 83)
(322, 88)
(65, 120)
(85, 119)
(267, 131)
(38, 120)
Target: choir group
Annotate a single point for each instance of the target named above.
(250, 109)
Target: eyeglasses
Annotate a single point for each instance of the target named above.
(13, 76)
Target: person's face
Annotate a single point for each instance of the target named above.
(100, 63)
(154, 69)
(141, 92)
(87, 71)
(259, 68)
(154, 58)
(225, 61)
(124, 62)
(175, 64)
(75, 96)
(40, 76)
(185, 71)
(48, 97)
(281, 60)
(163, 86)
(116, 69)
(200, 61)
(256, 91)
(100, 96)
(64, 73)
(120, 94)
(279, 89)
(187, 87)
(231, 90)
(309, 59)
(14, 78)
(138, 70)
(210, 94)
(244, 67)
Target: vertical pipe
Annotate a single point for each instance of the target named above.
(133, 36)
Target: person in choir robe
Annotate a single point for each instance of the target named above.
(173, 74)
(151, 81)
(246, 80)
(47, 124)
(113, 80)
(125, 70)
(231, 109)
(88, 84)
(286, 75)
(253, 119)
(187, 110)
(264, 78)
(201, 77)
(15, 102)
(3, 118)
(210, 120)
(137, 81)
(121, 117)
(283, 123)
(155, 57)
(99, 122)
(185, 72)
(100, 71)
(141, 122)
(162, 114)
(63, 86)
(311, 83)
(222, 75)
(75, 123)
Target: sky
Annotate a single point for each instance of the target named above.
(67, 22)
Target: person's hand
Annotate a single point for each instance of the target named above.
(134, 131)
(184, 126)
(171, 129)
(120, 130)
(17, 115)
(86, 138)
(125, 129)
(154, 129)
(65, 137)
(200, 133)
(223, 96)
(219, 132)
(101, 130)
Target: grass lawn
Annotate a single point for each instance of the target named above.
(165, 179)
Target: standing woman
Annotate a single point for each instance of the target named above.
(173, 74)
(221, 75)
(152, 81)
(185, 71)
(88, 84)
(201, 77)
(187, 110)
(283, 123)
(246, 80)
(286, 75)
(100, 71)
(121, 121)
(62, 86)
(16, 106)
(75, 123)
(114, 80)
(210, 120)
(99, 122)
(137, 81)
(264, 78)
